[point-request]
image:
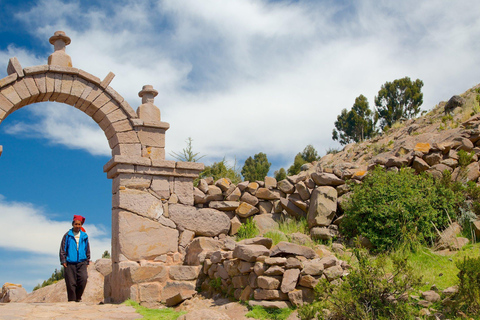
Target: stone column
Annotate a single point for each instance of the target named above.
(59, 57)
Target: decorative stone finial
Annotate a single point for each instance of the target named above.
(147, 111)
(59, 58)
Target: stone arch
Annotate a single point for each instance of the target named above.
(142, 180)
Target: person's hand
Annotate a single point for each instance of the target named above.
(64, 265)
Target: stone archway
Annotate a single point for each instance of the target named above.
(142, 180)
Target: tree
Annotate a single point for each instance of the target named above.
(280, 174)
(222, 170)
(256, 168)
(187, 153)
(399, 99)
(106, 254)
(355, 125)
(308, 155)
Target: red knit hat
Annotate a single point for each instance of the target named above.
(79, 218)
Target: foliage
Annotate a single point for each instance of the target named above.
(106, 254)
(280, 174)
(368, 292)
(332, 151)
(399, 99)
(309, 154)
(56, 276)
(187, 153)
(259, 312)
(465, 158)
(256, 168)
(222, 170)
(248, 230)
(355, 125)
(289, 226)
(468, 296)
(155, 314)
(216, 283)
(276, 236)
(391, 208)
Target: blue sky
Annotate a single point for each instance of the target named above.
(239, 77)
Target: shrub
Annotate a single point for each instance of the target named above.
(368, 292)
(248, 230)
(468, 296)
(276, 236)
(391, 209)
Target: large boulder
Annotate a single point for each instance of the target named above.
(204, 222)
(198, 249)
(251, 252)
(323, 206)
(12, 293)
(57, 292)
(286, 249)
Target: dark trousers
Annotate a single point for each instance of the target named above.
(76, 279)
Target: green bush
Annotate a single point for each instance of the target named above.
(368, 292)
(248, 230)
(468, 296)
(391, 209)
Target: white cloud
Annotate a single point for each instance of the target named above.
(241, 77)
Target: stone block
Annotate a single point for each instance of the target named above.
(270, 304)
(264, 294)
(149, 292)
(289, 280)
(32, 88)
(224, 205)
(149, 272)
(12, 96)
(66, 88)
(141, 238)
(5, 104)
(250, 253)
(183, 188)
(139, 202)
(151, 137)
(123, 138)
(184, 273)
(198, 249)
(204, 222)
(323, 206)
(161, 186)
(245, 210)
(265, 207)
(78, 86)
(285, 248)
(8, 80)
(267, 194)
(269, 283)
(14, 66)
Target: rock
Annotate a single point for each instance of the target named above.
(198, 196)
(295, 297)
(308, 281)
(433, 158)
(285, 248)
(14, 293)
(302, 190)
(274, 271)
(293, 262)
(269, 304)
(134, 231)
(185, 238)
(450, 291)
(197, 250)
(235, 225)
(246, 294)
(57, 292)
(461, 143)
(313, 267)
(265, 207)
(458, 243)
(286, 186)
(184, 273)
(291, 208)
(104, 266)
(252, 187)
(420, 165)
(214, 193)
(245, 210)
(264, 294)
(322, 233)
(454, 102)
(422, 147)
(289, 280)
(270, 283)
(204, 314)
(235, 195)
(248, 198)
(470, 173)
(223, 184)
(267, 194)
(431, 296)
(270, 182)
(240, 282)
(266, 242)
(297, 200)
(265, 222)
(333, 273)
(302, 176)
(300, 238)
(224, 205)
(204, 222)
(452, 163)
(448, 236)
(279, 261)
(172, 288)
(476, 228)
(250, 253)
(326, 179)
(323, 206)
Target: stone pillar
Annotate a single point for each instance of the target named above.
(144, 239)
(59, 57)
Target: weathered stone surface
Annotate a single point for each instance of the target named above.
(265, 207)
(264, 294)
(286, 186)
(308, 281)
(433, 158)
(266, 242)
(470, 173)
(274, 271)
(297, 200)
(140, 202)
(280, 261)
(197, 250)
(250, 253)
(285, 248)
(420, 165)
(270, 283)
(203, 185)
(248, 198)
(293, 262)
(245, 210)
(259, 268)
(267, 194)
(323, 206)
(252, 187)
(270, 182)
(213, 193)
(302, 190)
(313, 267)
(172, 288)
(12, 293)
(431, 296)
(148, 272)
(223, 184)
(326, 179)
(295, 297)
(333, 273)
(322, 233)
(291, 208)
(235, 225)
(224, 205)
(204, 222)
(184, 272)
(265, 222)
(245, 267)
(246, 294)
(300, 238)
(104, 266)
(235, 195)
(135, 231)
(204, 314)
(289, 280)
(269, 304)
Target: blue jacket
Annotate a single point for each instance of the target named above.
(68, 248)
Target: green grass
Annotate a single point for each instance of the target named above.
(248, 230)
(276, 236)
(261, 313)
(431, 265)
(155, 314)
(291, 226)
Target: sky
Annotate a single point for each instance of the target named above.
(239, 77)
